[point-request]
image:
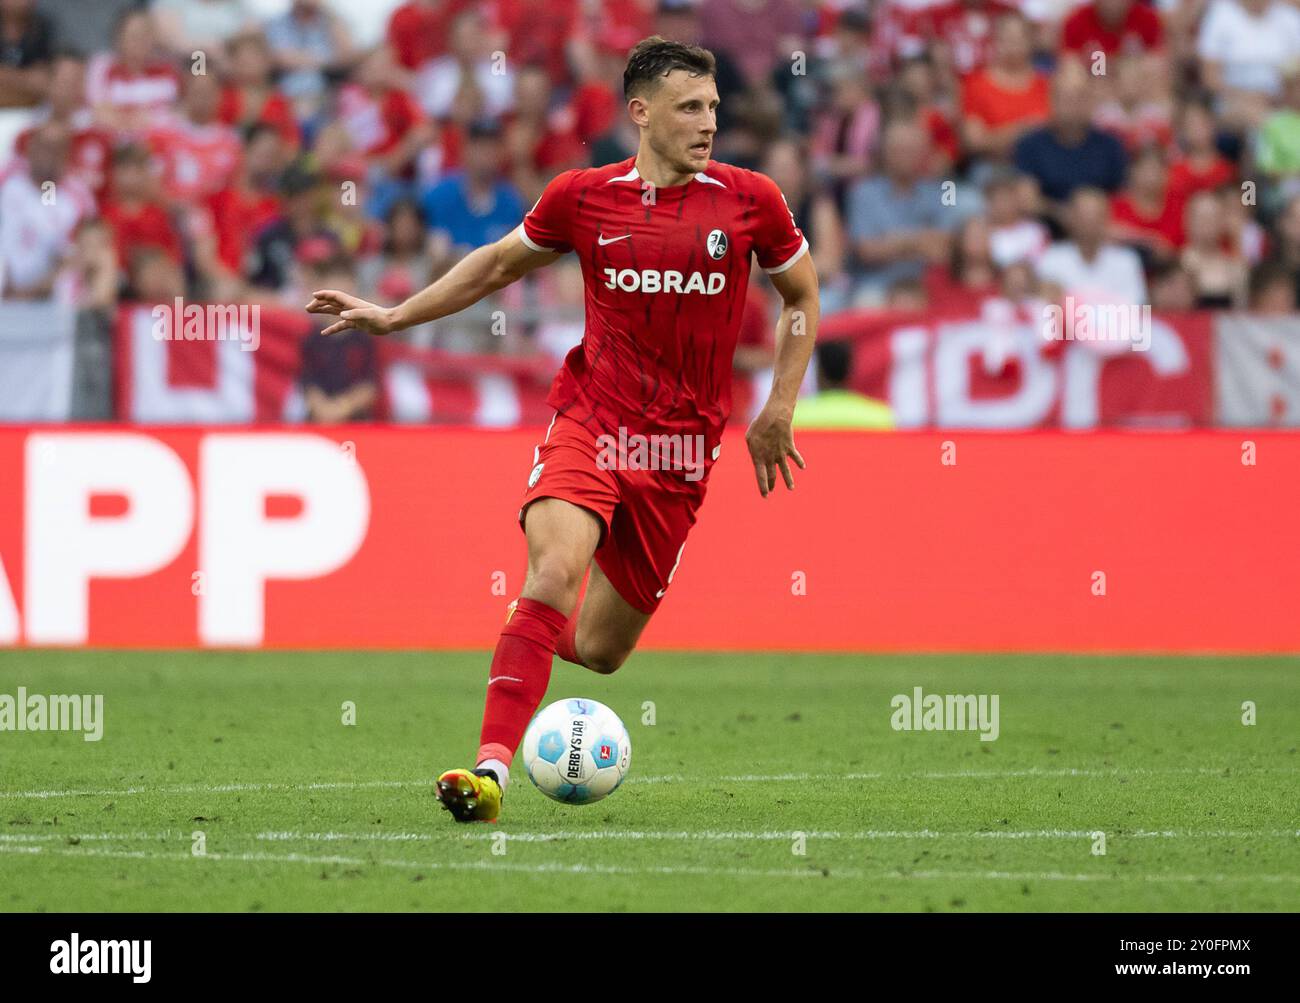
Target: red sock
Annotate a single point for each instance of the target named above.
(521, 668)
(566, 643)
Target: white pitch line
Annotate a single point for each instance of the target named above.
(667, 871)
(344, 785)
(481, 865)
(989, 774)
(582, 835)
(714, 836)
(221, 788)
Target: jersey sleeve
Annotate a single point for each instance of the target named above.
(546, 226)
(778, 241)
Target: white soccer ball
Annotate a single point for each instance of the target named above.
(577, 751)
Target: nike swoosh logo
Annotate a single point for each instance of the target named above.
(600, 239)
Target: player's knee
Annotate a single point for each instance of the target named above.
(604, 660)
(554, 581)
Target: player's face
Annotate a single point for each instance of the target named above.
(681, 120)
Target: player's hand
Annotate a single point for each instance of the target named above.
(353, 313)
(771, 445)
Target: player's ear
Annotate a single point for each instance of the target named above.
(638, 110)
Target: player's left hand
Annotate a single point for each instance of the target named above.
(771, 444)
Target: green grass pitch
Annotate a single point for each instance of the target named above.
(299, 811)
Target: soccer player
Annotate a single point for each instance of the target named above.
(664, 239)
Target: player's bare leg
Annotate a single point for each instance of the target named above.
(608, 627)
(562, 538)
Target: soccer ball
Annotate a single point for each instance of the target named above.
(577, 751)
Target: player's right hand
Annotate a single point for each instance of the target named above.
(353, 313)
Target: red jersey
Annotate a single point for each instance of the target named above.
(196, 161)
(665, 270)
(1085, 33)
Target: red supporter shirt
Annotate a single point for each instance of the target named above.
(1167, 225)
(1084, 32)
(235, 218)
(155, 88)
(1186, 180)
(145, 226)
(665, 290)
(197, 161)
(377, 125)
(984, 99)
(90, 157)
(418, 32)
(967, 29)
(276, 111)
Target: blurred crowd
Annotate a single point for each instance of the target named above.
(249, 151)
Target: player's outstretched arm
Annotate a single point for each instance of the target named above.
(481, 272)
(770, 437)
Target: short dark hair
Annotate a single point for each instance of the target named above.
(834, 362)
(655, 57)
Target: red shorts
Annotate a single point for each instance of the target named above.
(645, 514)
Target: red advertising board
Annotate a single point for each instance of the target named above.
(383, 537)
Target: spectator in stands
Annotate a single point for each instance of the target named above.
(1148, 213)
(340, 374)
(1089, 267)
(133, 210)
(195, 152)
(1014, 235)
(154, 278)
(786, 164)
(26, 49)
(401, 267)
(418, 30)
(310, 44)
(756, 35)
(379, 121)
(36, 231)
(1112, 27)
(251, 96)
(466, 83)
(834, 405)
(476, 205)
(1277, 144)
(1285, 245)
(1198, 166)
(1069, 152)
(275, 248)
(1139, 109)
(541, 141)
(970, 275)
(918, 85)
(845, 131)
(1002, 101)
(1244, 46)
(962, 34)
(1272, 290)
(225, 227)
(93, 275)
(897, 222)
(1173, 290)
(129, 86)
(1220, 276)
(91, 152)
